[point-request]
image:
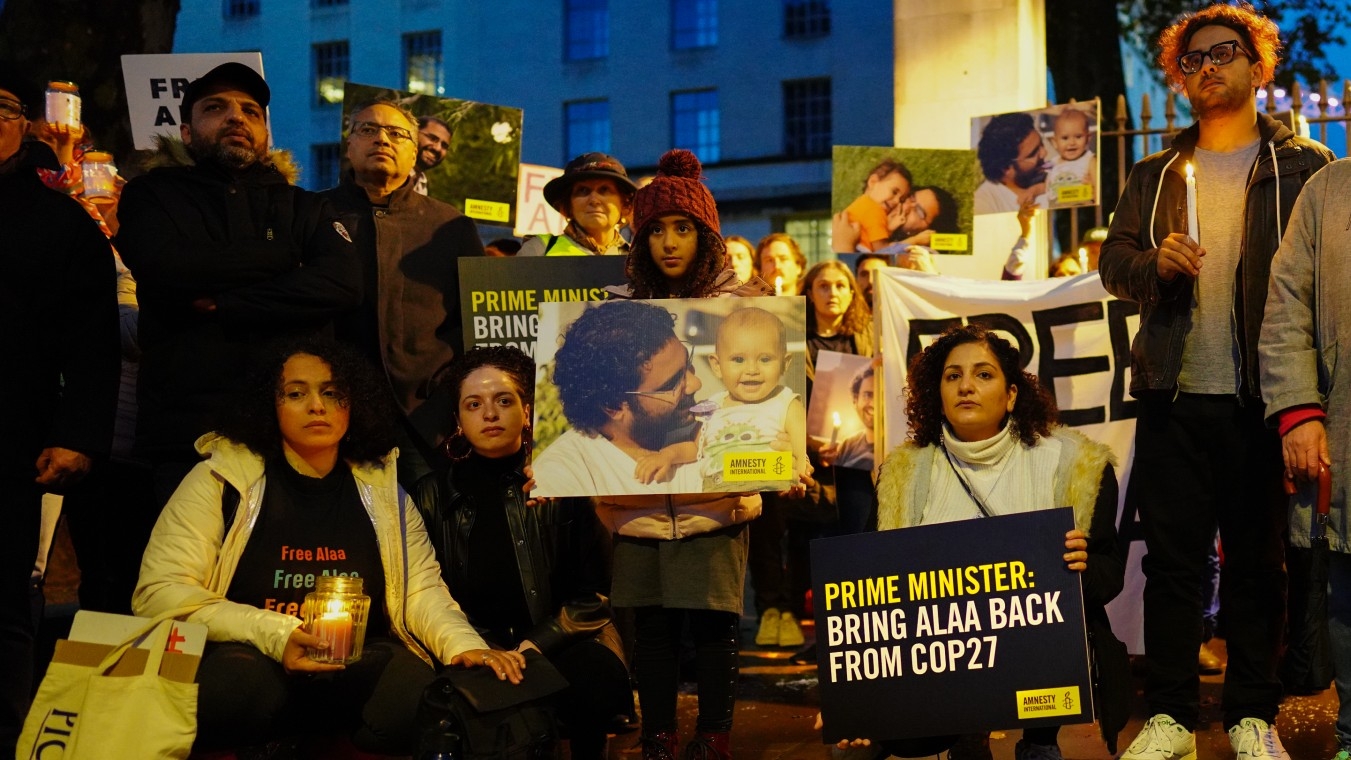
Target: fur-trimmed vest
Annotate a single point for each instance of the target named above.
(903, 483)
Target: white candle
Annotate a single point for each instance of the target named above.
(1192, 231)
(835, 433)
(1083, 260)
(336, 629)
(778, 285)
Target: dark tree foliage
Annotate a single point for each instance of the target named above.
(82, 42)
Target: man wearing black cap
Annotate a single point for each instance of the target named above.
(58, 303)
(594, 193)
(228, 256)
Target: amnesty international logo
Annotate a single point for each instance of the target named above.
(765, 465)
(1044, 703)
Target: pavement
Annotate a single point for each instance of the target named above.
(777, 701)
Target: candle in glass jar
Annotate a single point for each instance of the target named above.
(1192, 231)
(336, 629)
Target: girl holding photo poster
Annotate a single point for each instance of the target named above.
(984, 441)
(678, 252)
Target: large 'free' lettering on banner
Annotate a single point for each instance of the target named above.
(952, 628)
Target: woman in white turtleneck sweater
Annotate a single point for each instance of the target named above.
(985, 441)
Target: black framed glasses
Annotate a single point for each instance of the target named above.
(367, 130)
(1220, 54)
(11, 109)
(672, 395)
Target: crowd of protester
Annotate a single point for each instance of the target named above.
(214, 366)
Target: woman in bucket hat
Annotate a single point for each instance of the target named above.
(594, 193)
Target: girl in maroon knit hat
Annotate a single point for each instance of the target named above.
(677, 249)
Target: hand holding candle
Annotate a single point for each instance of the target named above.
(1192, 230)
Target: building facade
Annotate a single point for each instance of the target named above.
(759, 89)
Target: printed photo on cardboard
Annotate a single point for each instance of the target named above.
(671, 396)
(895, 198)
(840, 416)
(1047, 157)
(468, 152)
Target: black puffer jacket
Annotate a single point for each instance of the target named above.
(562, 552)
(1154, 206)
(271, 255)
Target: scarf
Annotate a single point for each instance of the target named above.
(1007, 476)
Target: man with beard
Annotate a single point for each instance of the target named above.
(627, 385)
(1203, 455)
(228, 256)
(433, 143)
(856, 451)
(410, 248)
(1012, 158)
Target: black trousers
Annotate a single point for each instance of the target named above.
(778, 559)
(245, 698)
(110, 515)
(598, 690)
(21, 499)
(1203, 461)
(657, 662)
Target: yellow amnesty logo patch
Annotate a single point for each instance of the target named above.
(948, 241)
(1044, 703)
(762, 465)
(1074, 194)
(491, 211)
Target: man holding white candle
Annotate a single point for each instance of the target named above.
(1196, 255)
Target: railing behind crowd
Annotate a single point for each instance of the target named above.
(1149, 139)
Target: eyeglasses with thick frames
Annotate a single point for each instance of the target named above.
(11, 110)
(1220, 54)
(367, 130)
(673, 395)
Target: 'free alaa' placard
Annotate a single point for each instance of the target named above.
(954, 628)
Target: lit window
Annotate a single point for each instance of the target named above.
(804, 19)
(325, 157)
(695, 122)
(235, 10)
(694, 24)
(332, 66)
(588, 128)
(806, 117)
(422, 69)
(586, 29)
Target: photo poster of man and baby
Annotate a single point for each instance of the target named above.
(468, 153)
(898, 198)
(1047, 157)
(679, 396)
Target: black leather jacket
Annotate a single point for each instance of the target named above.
(1154, 206)
(562, 551)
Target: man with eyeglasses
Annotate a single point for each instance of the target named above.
(433, 138)
(228, 255)
(1012, 158)
(627, 385)
(410, 248)
(1203, 454)
(58, 303)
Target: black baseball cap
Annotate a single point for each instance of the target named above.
(232, 73)
(587, 166)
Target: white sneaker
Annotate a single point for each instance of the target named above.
(1253, 738)
(1162, 738)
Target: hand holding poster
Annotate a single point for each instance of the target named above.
(952, 628)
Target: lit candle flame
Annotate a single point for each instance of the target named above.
(778, 285)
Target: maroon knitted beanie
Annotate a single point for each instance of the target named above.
(677, 189)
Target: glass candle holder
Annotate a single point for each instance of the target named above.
(100, 176)
(63, 104)
(336, 611)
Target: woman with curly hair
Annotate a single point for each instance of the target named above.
(677, 249)
(985, 441)
(300, 483)
(529, 575)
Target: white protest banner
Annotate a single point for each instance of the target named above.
(155, 88)
(534, 216)
(1070, 333)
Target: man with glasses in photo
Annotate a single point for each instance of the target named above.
(58, 303)
(627, 385)
(228, 255)
(1203, 455)
(410, 248)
